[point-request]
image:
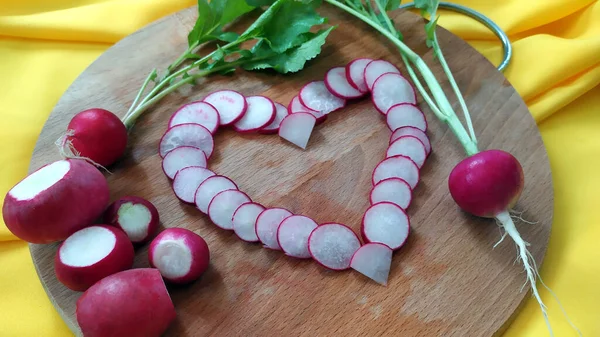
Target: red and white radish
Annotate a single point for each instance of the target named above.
(196, 112)
(376, 68)
(231, 105)
(260, 113)
(293, 233)
(316, 96)
(397, 166)
(135, 216)
(182, 157)
(355, 73)
(187, 180)
(180, 255)
(332, 245)
(296, 106)
(297, 128)
(411, 131)
(391, 89)
(394, 190)
(209, 189)
(223, 205)
(266, 226)
(190, 134)
(409, 146)
(374, 261)
(91, 254)
(244, 221)
(55, 201)
(280, 113)
(132, 303)
(406, 114)
(337, 83)
(386, 223)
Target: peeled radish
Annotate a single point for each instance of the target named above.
(297, 128)
(377, 68)
(406, 114)
(337, 83)
(266, 226)
(136, 216)
(209, 188)
(355, 73)
(231, 105)
(196, 112)
(280, 113)
(187, 180)
(386, 223)
(244, 221)
(411, 131)
(190, 134)
(374, 261)
(223, 205)
(332, 245)
(296, 106)
(316, 96)
(260, 113)
(394, 190)
(182, 157)
(409, 146)
(397, 166)
(90, 254)
(293, 233)
(391, 89)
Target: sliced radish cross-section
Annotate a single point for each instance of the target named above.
(337, 83)
(297, 106)
(374, 261)
(280, 112)
(292, 235)
(386, 223)
(355, 72)
(397, 166)
(394, 190)
(296, 128)
(187, 180)
(391, 89)
(409, 146)
(244, 221)
(223, 205)
(182, 157)
(406, 114)
(332, 245)
(411, 131)
(316, 96)
(377, 68)
(231, 105)
(189, 134)
(260, 113)
(209, 188)
(196, 112)
(266, 226)
(136, 216)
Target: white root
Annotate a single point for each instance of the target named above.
(68, 151)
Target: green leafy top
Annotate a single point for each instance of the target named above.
(429, 7)
(212, 17)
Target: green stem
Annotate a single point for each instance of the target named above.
(182, 57)
(139, 94)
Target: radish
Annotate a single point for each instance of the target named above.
(182, 157)
(386, 223)
(91, 254)
(136, 216)
(394, 190)
(244, 221)
(209, 188)
(231, 105)
(180, 255)
(411, 131)
(55, 201)
(196, 112)
(280, 112)
(296, 106)
(391, 89)
(132, 303)
(260, 113)
(297, 128)
(397, 166)
(409, 146)
(406, 114)
(223, 205)
(266, 226)
(190, 134)
(332, 245)
(374, 261)
(292, 235)
(355, 73)
(187, 180)
(316, 96)
(376, 68)
(337, 83)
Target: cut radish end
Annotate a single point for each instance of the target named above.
(386, 223)
(297, 128)
(231, 105)
(196, 112)
(260, 113)
(266, 226)
(209, 188)
(332, 245)
(190, 134)
(374, 261)
(411, 131)
(136, 216)
(394, 190)
(182, 157)
(223, 205)
(406, 114)
(409, 146)
(292, 235)
(280, 112)
(391, 89)
(296, 107)
(377, 68)
(399, 167)
(337, 83)
(244, 221)
(316, 96)
(187, 180)
(355, 72)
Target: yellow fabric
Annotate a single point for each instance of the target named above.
(44, 45)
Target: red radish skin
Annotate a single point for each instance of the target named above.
(374, 261)
(397, 167)
(55, 201)
(223, 205)
(280, 113)
(376, 68)
(231, 105)
(292, 235)
(266, 226)
(132, 303)
(196, 112)
(260, 113)
(91, 254)
(209, 189)
(182, 157)
(190, 134)
(297, 128)
(412, 131)
(180, 255)
(355, 73)
(406, 114)
(187, 180)
(332, 245)
(391, 89)
(386, 223)
(337, 83)
(316, 96)
(135, 216)
(244, 221)
(394, 190)
(409, 146)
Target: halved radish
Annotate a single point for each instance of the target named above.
(374, 261)
(397, 166)
(266, 226)
(337, 83)
(355, 73)
(411, 131)
(409, 146)
(375, 69)
(136, 216)
(231, 105)
(297, 128)
(406, 114)
(386, 223)
(190, 134)
(391, 89)
(280, 112)
(292, 235)
(244, 221)
(209, 188)
(394, 190)
(260, 113)
(182, 157)
(91, 254)
(187, 180)
(297, 106)
(332, 245)
(196, 112)
(316, 96)
(223, 205)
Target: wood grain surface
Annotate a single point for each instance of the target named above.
(446, 281)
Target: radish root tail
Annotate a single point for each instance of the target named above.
(67, 150)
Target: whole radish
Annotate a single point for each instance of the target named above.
(136, 216)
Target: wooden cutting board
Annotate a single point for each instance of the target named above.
(446, 281)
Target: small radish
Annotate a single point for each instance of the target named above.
(375, 69)
(209, 188)
(196, 112)
(280, 113)
(182, 157)
(332, 245)
(406, 114)
(374, 261)
(136, 216)
(190, 134)
(411, 131)
(297, 128)
(297, 106)
(337, 83)
(231, 105)
(391, 89)
(292, 235)
(409, 146)
(386, 223)
(266, 226)
(260, 113)
(187, 180)
(244, 221)
(394, 190)
(223, 205)
(316, 96)
(355, 73)
(132, 303)
(397, 166)
(180, 255)
(91, 254)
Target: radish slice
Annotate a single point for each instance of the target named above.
(377, 68)
(182, 157)
(355, 72)
(280, 112)
(394, 190)
(386, 223)
(260, 113)
(411, 131)
(244, 221)
(189, 134)
(187, 180)
(297, 128)
(231, 105)
(332, 245)
(374, 261)
(316, 96)
(223, 205)
(409, 146)
(297, 106)
(209, 189)
(266, 226)
(196, 112)
(337, 83)
(391, 89)
(292, 235)
(397, 166)
(406, 114)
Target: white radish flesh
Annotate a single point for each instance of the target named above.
(316, 96)
(377, 68)
(411, 131)
(190, 134)
(297, 128)
(406, 114)
(260, 113)
(337, 83)
(231, 105)
(355, 71)
(182, 157)
(209, 188)
(386, 223)
(266, 226)
(391, 89)
(187, 180)
(280, 113)
(296, 106)
(409, 146)
(398, 166)
(136, 216)
(293, 233)
(374, 261)
(196, 112)
(244, 221)
(394, 190)
(223, 205)
(332, 245)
